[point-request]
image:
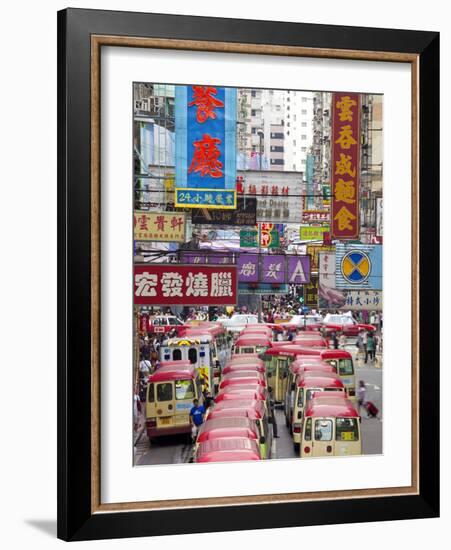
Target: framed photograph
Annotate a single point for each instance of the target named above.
(248, 274)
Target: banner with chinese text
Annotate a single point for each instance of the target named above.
(155, 226)
(273, 268)
(188, 285)
(362, 300)
(205, 123)
(345, 170)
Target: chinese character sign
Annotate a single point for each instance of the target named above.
(273, 269)
(248, 268)
(345, 169)
(205, 118)
(166, 284)
(159, 226)
(362, 300)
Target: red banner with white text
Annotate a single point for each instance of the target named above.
(186, 285)
(345, 171)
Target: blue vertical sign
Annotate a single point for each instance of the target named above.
(205, 124)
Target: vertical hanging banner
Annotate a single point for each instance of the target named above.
(345, 171)
(205, 125)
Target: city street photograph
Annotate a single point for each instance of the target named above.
(257, 274)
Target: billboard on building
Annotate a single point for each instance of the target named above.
(189, 285)
(205, 122)
(358, 266)
(159, 226)
(245, 214)
(345, 173)
(329, 297)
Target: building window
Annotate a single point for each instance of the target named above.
(253, 112)
(294, 143)
(288, 107)
(288, 124)
(254, 130)
(304, 149)
(304, 100)
(304, 124)
(303, 136)
(253, 93)
(303, 111)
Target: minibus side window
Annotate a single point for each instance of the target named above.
(246, 350)
(308, 430)
(177, 355)
(164, 391)
(347, 429)
(301, 397)
(151, 398)
(346, 367)
(192, 355)
(323, 430)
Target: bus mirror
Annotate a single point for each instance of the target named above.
(299, 415)
(262, 440)
(293, 387)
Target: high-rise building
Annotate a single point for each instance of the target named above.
(298, 125)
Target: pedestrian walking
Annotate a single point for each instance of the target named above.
(196, 418)
(335, 340)
(272, 404)
(361, 394)
(145, 368)
(364, 344)
(370, 348)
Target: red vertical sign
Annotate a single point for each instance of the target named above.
(345, 172)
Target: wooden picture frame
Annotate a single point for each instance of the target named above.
(81, 35)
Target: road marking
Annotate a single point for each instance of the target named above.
(273, 449)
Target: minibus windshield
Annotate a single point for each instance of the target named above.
(345, 367)
(184, 389)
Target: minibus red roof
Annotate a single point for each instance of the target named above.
(249, 381)
(241, 358)
(319, 379)
(307, 360)
(232, 393)
(298, 369)
(312, 342)
(327, 406)
(180, 363)
(291, 350)
(232, 426)
(336, 354)
(240, 367)
(253, 340)
(243, 374)
(173, 373)
(253, 408)
(227, 449)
